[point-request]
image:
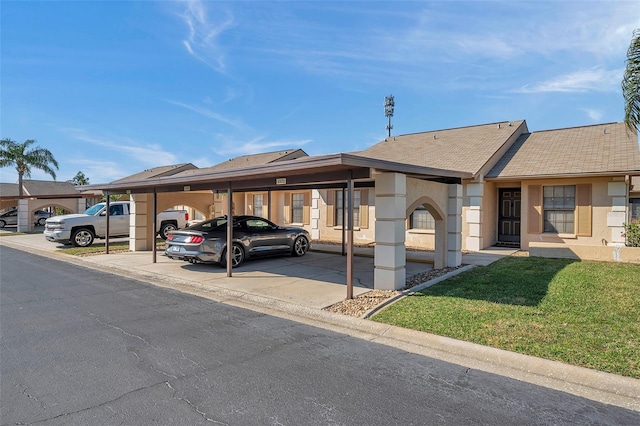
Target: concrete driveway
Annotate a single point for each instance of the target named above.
(315, 280)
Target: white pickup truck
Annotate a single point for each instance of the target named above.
(81, 229)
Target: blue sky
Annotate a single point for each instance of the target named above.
(116, 87)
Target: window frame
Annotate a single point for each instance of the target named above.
(257, 205)
(559, 201)
(357, 194)
(429, 219)
(297, 207)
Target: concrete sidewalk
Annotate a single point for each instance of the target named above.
(298, 289)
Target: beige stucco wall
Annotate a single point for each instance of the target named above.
(584, 252)
(601, 205)
(198, 200)
(334, 233)
(434, 195)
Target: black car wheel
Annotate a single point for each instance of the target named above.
(82, 237)
(300, 246)
(237, 256)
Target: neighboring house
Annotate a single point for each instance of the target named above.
(40, 195)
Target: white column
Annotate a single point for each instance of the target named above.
(473, 216)
(24, 221)
(81, 205)
(139, 229)
(454, 226)
(390, 252)
(315, 214)
(618, 214)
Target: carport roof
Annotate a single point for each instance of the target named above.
(307, 170)
(40, 189)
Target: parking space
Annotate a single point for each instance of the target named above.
(315, 280)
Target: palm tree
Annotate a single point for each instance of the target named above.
(19, 155)
(631, 84)
(80, 179)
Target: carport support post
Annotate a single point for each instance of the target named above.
(390, 258)
(154, 226)
(349, 238)
(106, 232)
(229, 230)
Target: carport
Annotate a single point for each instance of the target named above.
(346, 171)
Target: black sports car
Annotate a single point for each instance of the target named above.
(206, 242)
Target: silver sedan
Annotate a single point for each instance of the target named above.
(253, 236)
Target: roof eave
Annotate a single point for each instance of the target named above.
(299, 166)
(565, 175)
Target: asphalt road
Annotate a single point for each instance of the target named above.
(81, 347)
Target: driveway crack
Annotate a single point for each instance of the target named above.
(193, 406)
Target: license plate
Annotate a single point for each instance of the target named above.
(175, 248)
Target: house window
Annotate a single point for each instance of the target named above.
(635, 209)
(421, 218)
(297, 208)
(559, 204)
(340, 208)
(257, 205)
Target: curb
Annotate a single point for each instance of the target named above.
(415, 289)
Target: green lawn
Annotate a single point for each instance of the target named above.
(580, 313)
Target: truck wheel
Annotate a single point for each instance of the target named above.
(82, 237)
(165, 229)
(237, 256)
(42, 221)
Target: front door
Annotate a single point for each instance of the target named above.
(509, 215)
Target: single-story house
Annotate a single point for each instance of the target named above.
(449, 190)
(39, 195)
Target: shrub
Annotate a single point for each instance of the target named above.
(632, 234)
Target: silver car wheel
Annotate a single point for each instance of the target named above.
(42, 221)
(3, 223)
(300, 246)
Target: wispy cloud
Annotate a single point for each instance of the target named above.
(208, 113)
(147, 154)
(202, 39)
(258, 145)
(99, 171)
(593, 114)
(593, 80)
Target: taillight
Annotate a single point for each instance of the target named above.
(170, 237)
(195, 239)
(186, 216)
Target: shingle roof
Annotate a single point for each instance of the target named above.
(466, 149)
(9, 190)
(602, 148)
(252, 160)
(39, 188)
(155, 172)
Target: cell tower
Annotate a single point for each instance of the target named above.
(388, 111)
